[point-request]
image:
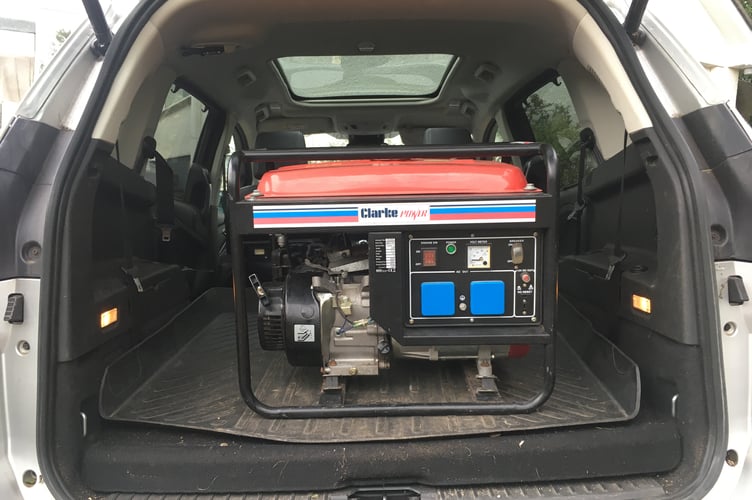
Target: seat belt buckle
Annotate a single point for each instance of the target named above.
(609, 272)
(166, 233)
(136, 281)
(576, 211)
(613, 261)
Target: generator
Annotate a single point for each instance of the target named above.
(420, 253)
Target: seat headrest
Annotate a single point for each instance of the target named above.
(276, 140)
(366, 141)
(447, 136)
(116, 177)
(535, 172)
(280, 140)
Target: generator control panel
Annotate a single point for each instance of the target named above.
(473, 280)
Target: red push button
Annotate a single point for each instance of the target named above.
(525, 278)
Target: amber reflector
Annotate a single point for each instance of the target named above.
(641, 303)
(108, 317)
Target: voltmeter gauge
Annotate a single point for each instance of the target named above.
(479, 257)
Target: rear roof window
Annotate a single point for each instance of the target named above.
(365, 76)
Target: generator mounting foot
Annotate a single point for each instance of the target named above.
(332, 391)
(488, 389)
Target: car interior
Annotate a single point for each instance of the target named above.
(145, 346)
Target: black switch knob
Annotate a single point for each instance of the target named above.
(737, 293)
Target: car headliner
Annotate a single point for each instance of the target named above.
(515, 40)
(501, 45)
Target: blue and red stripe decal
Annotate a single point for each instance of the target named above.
(305, 217)
(469, 213)
(393, 214)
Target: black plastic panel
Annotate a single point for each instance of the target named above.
(650, 237)
(727, 150)
(476, 259)
(717, 132)
(110, 242)
(23, 150)
(396, 296)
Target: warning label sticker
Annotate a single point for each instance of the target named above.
(385, 255)
(304, 333)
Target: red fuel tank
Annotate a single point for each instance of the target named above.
(393, 177)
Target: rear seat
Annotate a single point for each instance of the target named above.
(447, 136)
(119, 269)
(129, 222)
(258, 249)
(276, 140)
(191, 235)
(269, 140)
(535, 168)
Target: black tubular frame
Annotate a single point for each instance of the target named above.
(238, 229)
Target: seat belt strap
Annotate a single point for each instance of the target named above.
(128, 266)
(125, 230)
(165, 191)
(587, 142)
(165, 200)
(618, 254)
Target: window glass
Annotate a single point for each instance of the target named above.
(495, 134)
(356, 76)
(229, 150)
(746, 7)
(177, 135)
(324, 140)
(553, 120)
(499, 135)
(498, 130)
(744, 97)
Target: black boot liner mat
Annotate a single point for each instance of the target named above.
(185, 376)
